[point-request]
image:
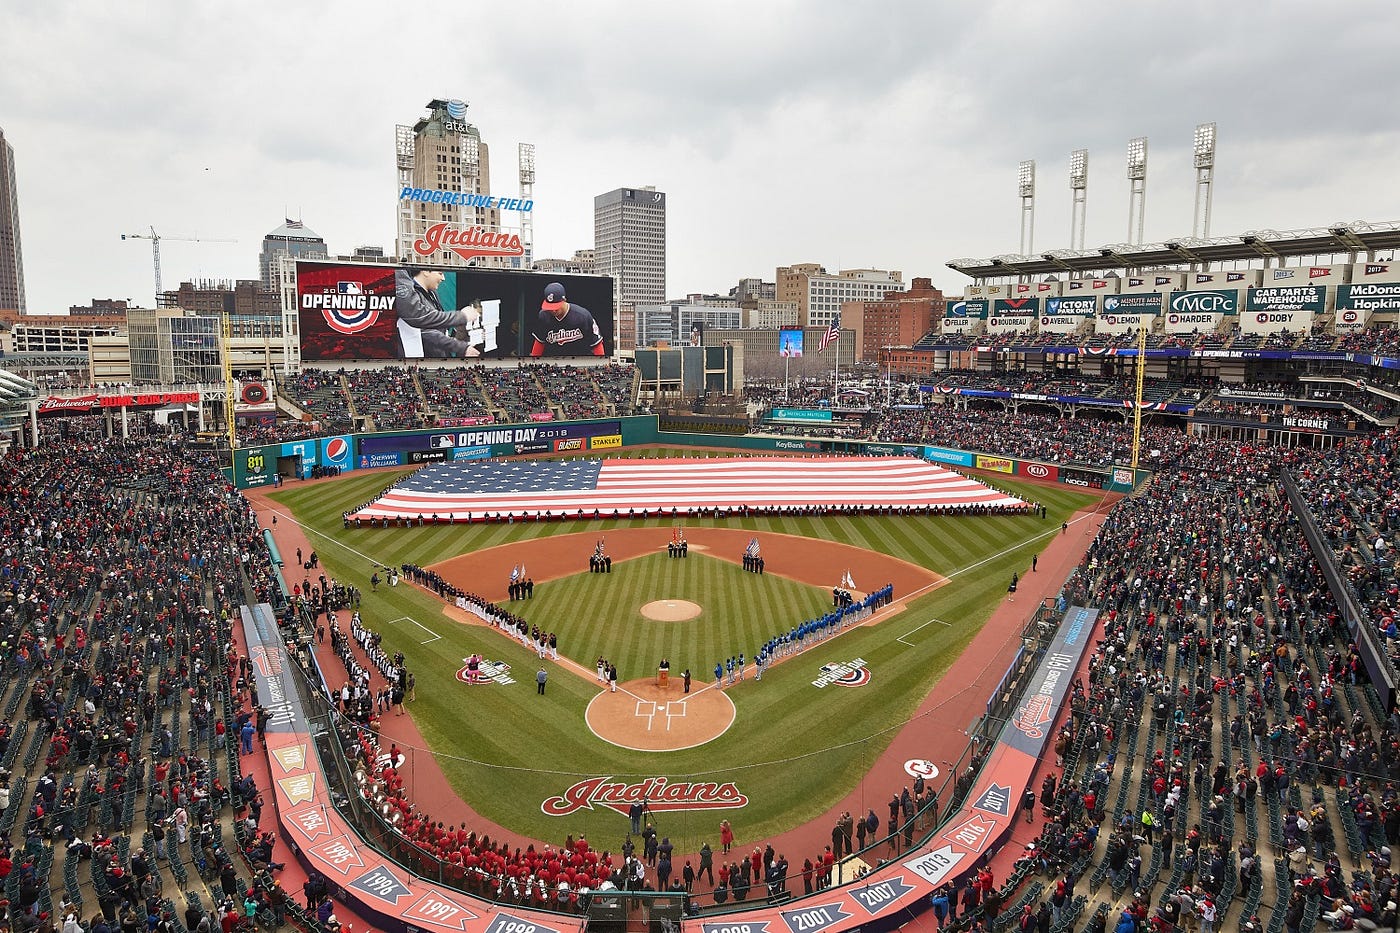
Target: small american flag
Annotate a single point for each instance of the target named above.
(833, 332)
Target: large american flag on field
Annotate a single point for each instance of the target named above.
(546, 487)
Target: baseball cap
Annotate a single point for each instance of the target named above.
(553, 297)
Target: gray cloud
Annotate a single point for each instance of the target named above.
(881, 134)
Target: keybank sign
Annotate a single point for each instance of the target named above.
(1206, 301)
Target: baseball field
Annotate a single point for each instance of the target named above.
(771, 754)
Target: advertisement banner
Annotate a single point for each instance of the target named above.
(943, 455)
(371, 461)
(998, 464)
(505, 440)
(335, 452)
(466, 422)
(605, 442)
(1205, 301)
(1037, 470)
(542, 416)
(255, 466)
(1016, 307)
(801, 414)
(973, 308)
(358, 311)
(1312, 298)
(1369, 296)
(1082, 305)
(471, 453)
(60, 404)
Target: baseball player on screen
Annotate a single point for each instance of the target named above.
(564, 329)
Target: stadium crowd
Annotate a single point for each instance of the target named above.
(1223, 750)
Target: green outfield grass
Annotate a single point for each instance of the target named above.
(794, 750)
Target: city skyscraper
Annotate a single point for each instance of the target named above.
(11, 257)
(447, 214)
(629, 243)
(291, 239)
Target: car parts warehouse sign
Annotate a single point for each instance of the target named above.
(1311, 298)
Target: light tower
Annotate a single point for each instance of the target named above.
(1025, 184)
(1079, 194)
(1137, 187)
(527, 193)
(1203, 154)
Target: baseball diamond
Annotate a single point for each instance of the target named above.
(791, 748)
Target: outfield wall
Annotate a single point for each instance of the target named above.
(261, 466)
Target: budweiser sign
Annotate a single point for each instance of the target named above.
(468, 242)
(657, 792)
(67, 403)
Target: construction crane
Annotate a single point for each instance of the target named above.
(155, 239)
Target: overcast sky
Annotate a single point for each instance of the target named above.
(872, 134)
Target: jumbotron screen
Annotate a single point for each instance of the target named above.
(358, 311)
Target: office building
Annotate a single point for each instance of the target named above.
(291, 239)
(11, 257)
(445, 159)
(820, 294)
(629, 243)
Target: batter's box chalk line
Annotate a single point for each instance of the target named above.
(434, 635)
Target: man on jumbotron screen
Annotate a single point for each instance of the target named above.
(564, 329)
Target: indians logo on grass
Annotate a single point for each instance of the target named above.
(656, 792)
(487, 672)
(852, 673)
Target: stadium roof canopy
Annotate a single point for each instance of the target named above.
(1350, 239)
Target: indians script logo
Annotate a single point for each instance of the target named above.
(468, 242)
(256, 463)
(852, 673)
(656, 792)
(1033, 716)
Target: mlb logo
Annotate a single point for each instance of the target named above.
(350, 288)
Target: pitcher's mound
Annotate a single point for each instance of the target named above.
(645, 717)
(671, 610)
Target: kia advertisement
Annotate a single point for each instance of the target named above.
(358, 311)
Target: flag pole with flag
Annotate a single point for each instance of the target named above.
(833, 333)
(515, 574)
